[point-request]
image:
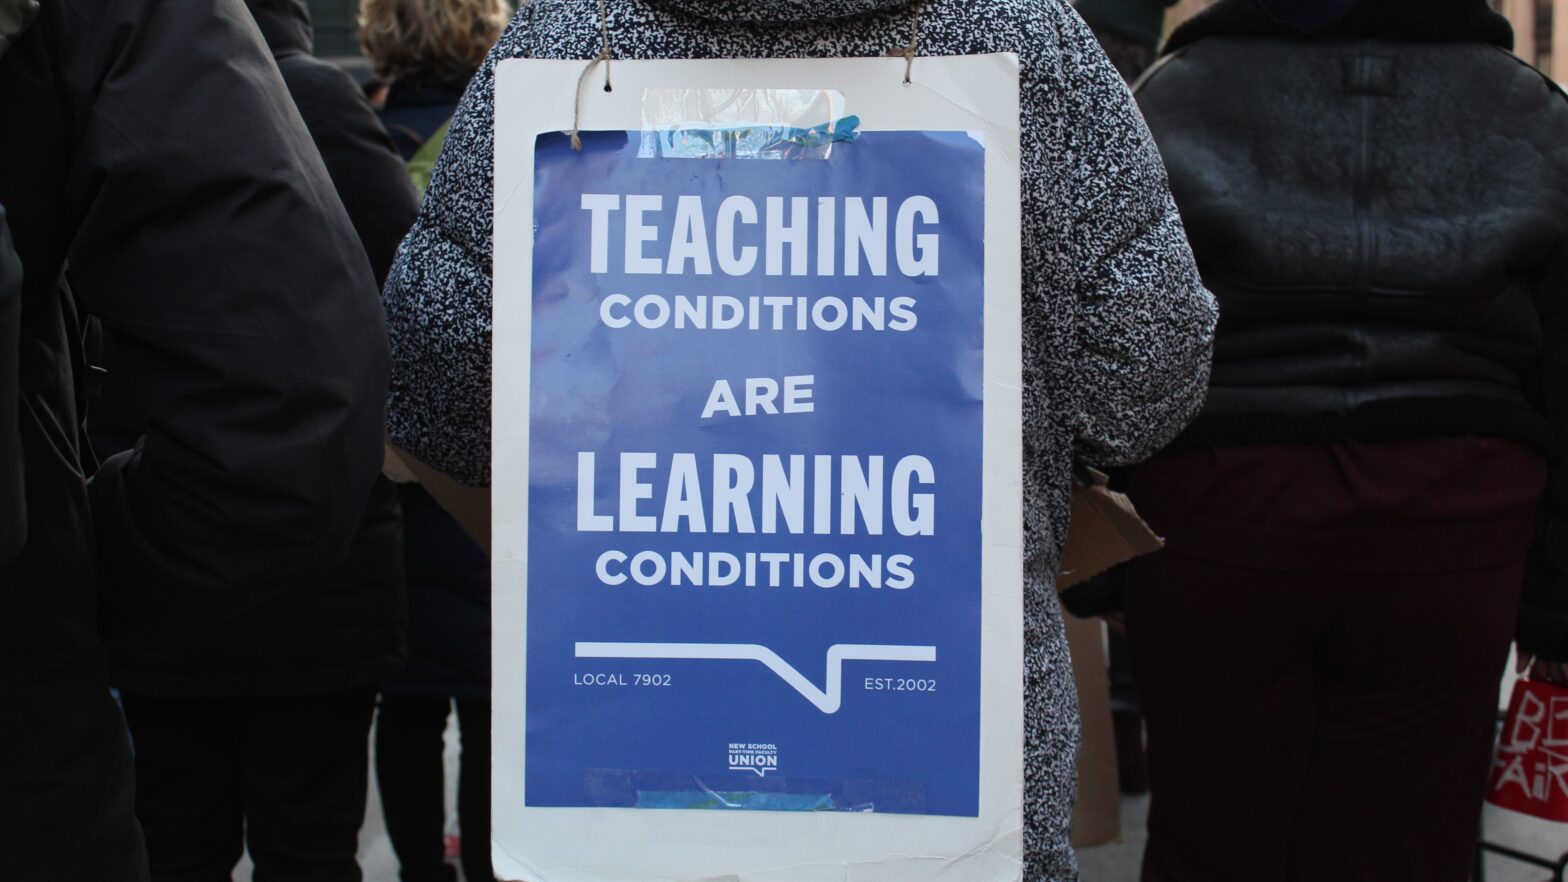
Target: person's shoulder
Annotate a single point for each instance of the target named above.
(314, 80)
(1531, 85)
(515, 38)
(1172, 69)
(1521, 104)
(1038, 13)
(1026, 27)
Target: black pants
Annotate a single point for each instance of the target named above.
(409, 770)
(1318, 652)
(66, 783)
(285, 775)
(1328, 730)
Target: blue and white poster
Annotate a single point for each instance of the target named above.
(756, 484)
(754, 489)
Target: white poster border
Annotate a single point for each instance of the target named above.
(960, 93)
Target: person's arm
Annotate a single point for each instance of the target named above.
(1543, 615)
(468, 506)
(1145, 323)
(210, 243)
(438, 295)
(365, 168)
(13, 502)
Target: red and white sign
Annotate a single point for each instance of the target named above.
(1530, 769)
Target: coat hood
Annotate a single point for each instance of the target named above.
(285, 24)
(1410, 20)
(777, 10)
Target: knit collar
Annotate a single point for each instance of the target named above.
(1407, 20)
(425, 91)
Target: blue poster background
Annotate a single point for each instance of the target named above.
(889, 393)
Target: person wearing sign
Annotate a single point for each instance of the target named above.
(1118, 327)
(1356, 523)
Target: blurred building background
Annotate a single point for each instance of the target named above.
(336, 34)
(1540, 33)
(1540, 30)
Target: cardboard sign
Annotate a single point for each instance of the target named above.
(756, 483)
(1104, 531)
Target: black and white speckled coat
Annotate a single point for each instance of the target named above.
(1118, 327)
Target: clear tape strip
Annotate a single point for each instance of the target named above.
(743, 123)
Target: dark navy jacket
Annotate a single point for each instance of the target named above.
(414, 110)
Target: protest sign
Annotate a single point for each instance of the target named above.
(756, 483)
(1530, 766)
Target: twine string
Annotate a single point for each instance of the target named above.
(913, 48)
(908, 52)
(604, 56)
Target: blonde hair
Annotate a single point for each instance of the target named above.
(441, 39)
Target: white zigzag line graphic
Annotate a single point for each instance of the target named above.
(827, 701)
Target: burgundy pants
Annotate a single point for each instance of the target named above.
(1318, 653)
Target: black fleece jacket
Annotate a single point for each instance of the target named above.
(1382, 210)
